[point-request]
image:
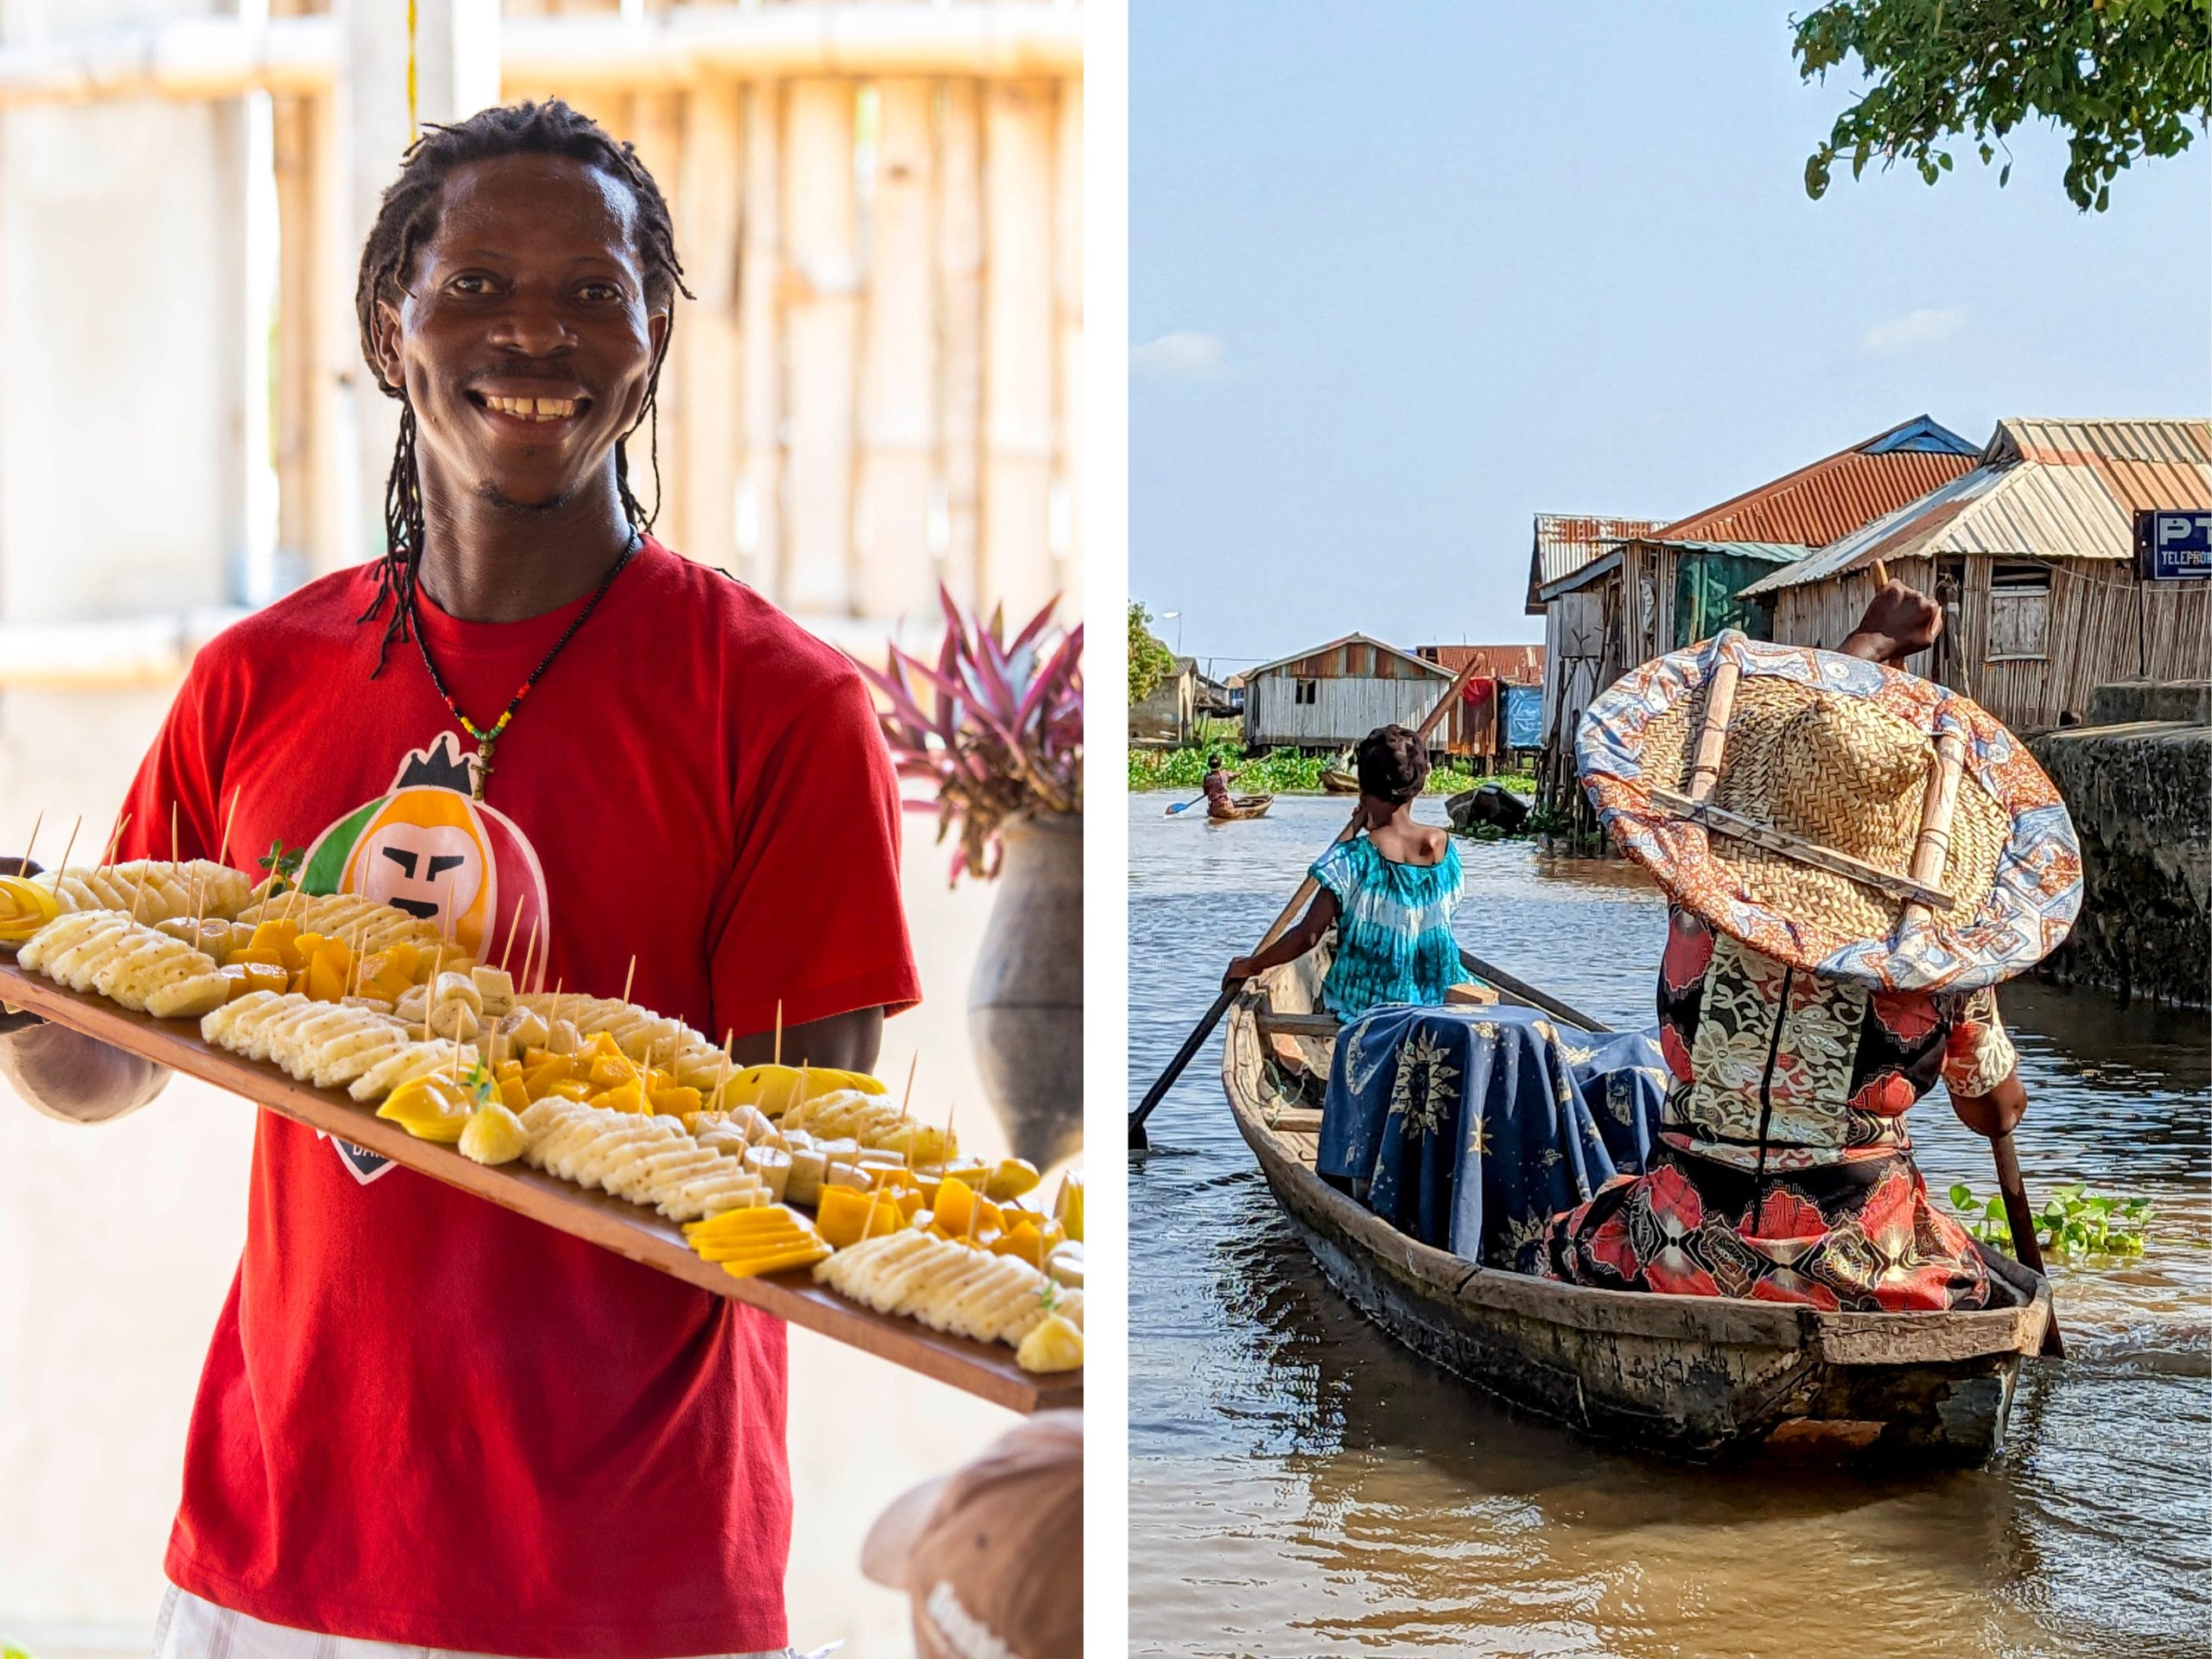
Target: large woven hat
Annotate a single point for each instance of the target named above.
(1827, 755)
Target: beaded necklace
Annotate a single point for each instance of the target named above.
(480, 775)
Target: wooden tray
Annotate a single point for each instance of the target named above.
(986, 1369)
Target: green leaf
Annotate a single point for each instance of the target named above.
(1961, 1196)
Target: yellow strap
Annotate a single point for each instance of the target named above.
(413, 130)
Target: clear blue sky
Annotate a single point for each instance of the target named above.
(1402, 274)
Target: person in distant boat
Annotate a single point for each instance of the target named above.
(1216, 786)
(1799, 1019)
(1389, 892)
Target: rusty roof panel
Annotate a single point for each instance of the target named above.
(1831, 498)
(1566, 541)
(1517, 665)
(2047, 489)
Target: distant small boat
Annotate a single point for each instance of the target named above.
(1241, 806)
(1339, 783)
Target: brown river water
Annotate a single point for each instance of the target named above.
(1300, 1484)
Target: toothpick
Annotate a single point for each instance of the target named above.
(430, 990)
(905, 1109)
(114, 841)
(529, 955)
(138, 892)
(24, 868)
(512, 926)
(223, 851)
(777, 1057)
(629, 976)
(729, 1066)
(554, 1019)
(62, 868)
(173, 859)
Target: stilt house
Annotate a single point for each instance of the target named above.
(1658, 588)
(2032, 557)
(1321, 700)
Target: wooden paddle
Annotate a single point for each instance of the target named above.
(1291, 911)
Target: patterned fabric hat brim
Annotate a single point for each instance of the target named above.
(2014, 869)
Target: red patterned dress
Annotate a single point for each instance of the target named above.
(1786, 1171)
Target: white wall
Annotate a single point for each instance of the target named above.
(1344, 710)
(121, 407)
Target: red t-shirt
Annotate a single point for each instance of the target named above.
(426, 1420)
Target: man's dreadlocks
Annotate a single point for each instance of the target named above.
(408, 219)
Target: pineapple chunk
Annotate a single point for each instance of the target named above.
(493, 1134)
(1055, 1345)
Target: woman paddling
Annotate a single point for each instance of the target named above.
(1389, 890)
(1803, 1011)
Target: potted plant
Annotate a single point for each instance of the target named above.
(995, 729)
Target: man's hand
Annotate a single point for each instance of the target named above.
(1899, 621)
(1239, 971)
(10, 1023)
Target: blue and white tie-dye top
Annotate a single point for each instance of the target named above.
(1394, 936)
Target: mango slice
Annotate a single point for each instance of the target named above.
(1068, 1209)
(847, 1215)
(25, 907)
(1013, 1178)
(429, 1108)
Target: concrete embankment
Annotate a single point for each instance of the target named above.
(2138, 780)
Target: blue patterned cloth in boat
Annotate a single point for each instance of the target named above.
(1394, 927)
(1473, 1127)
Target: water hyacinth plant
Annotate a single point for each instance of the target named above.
(995, 726)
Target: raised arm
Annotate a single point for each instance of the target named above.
(1899, 620)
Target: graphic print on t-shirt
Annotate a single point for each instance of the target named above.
(428, 848)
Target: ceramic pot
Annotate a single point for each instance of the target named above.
(1025, 1002)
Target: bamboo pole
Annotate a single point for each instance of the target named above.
(655, 125)
(1712, 734)
(758, 525)
(1067, 293)
(299, 128)
(706, 345)
(960, 338)
(1018, 348)
(821, 222)
(898, 415)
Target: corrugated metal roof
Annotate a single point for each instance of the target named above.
(1566, 541)
(1773, 552)
(1837, 495)
(1519, 664)
(1251, 674)
(2046, 489)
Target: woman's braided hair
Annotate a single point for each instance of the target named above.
(408, 217)
(1393, 764)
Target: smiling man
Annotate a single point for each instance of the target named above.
(424, 1420)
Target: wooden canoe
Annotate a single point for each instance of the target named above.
(1241, 806)
(1698, 1377)
(986, 1369)
(1339, 783)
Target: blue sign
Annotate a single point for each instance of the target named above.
(2173, 546)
